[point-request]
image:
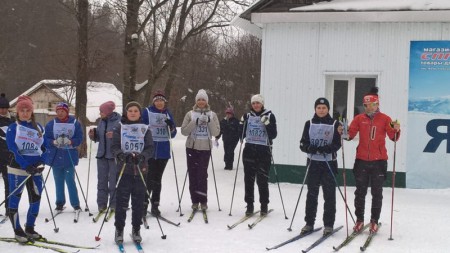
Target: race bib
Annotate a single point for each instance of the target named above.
(256, 131)
(28, 141)
(133, 137)
(158, 126)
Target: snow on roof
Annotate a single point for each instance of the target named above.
(377, 5)
(39, 84)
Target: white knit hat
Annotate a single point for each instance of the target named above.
(201, 95)
(258, 98)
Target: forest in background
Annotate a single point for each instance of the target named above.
(178, 46)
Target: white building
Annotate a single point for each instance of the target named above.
(338, 50)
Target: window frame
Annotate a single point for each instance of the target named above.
(331, 77)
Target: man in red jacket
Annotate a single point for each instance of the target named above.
(371, 157)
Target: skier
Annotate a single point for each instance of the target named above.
(370, 166)
(25, 139)
(321, 140)
(5, 120)
(259, 128)
(63, 135)
(158, 118)
(106, 165)
(199, 125)
(132, 146)
(229, 130)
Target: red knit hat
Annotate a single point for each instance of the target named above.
(372, 96)
(24, 101)
(159, 94)
(62, 106)
(107, 107)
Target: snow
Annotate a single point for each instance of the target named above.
(420, 217)
(377, 5)
(99, 93)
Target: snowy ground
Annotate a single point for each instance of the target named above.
(420, 218)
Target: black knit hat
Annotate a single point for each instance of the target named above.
(4, 102)
(322, 101)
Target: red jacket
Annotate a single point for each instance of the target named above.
(372, 135)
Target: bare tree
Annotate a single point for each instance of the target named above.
(82, 68)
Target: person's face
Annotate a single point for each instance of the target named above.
(103, 115)
(61, 114)
(229, 115)
(25, 114)
(159, 104)
(201, 103)
(257, 106)
(3, 111)
(133, 113)
(370, 107)
(321, 110)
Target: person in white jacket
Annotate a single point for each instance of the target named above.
(199, 124)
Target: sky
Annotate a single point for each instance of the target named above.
(420, 217)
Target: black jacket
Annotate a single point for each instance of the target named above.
(4, 152)
(229, 130)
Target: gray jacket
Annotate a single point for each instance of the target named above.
(190, 126)
(104, 144)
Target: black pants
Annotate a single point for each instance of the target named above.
(319, 175)
(373, 174)
(129, 185)
(257, 163)
(229, 148)
(4, 172)
(153, 180)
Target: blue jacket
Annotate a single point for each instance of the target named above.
(20, 160)
(104, 144)
(59, 157)
(161, 148)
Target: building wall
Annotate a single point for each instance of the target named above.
(296, 57)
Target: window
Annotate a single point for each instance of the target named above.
(346, 92)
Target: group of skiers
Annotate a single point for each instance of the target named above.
(134, 149)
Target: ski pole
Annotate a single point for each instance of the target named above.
(182, 191)
(393, 184)
(174, 169)
(235, 179)
(344, 172)
(56, 229)
(89, 173)
(79, 183)
(157, 218)
(299, 195)
(278, 182)
(337, 185)
(212, 166)
(97, 238)
(18, 187)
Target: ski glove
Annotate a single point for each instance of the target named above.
(62, 141)
(93, 134)
(137, 158)
(122, 157)
(31, 169)
(169, 124)
(312, 149)
(265, 120)
(325, 149)
(203, 118)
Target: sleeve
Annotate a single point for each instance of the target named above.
(243, 126)
(214, 125)
(392, 134)
(353, 129)
(188, 124)
(336, 143)
(222, 128)
(173, 133)
(11, 142)
(305, 141)
(115, 146)
(145, 118)
(148, 146)
(272, 128)
(49, 137)
(77, 138)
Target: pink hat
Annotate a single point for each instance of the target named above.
(62, 106)
(24, 101)
(107, 107)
